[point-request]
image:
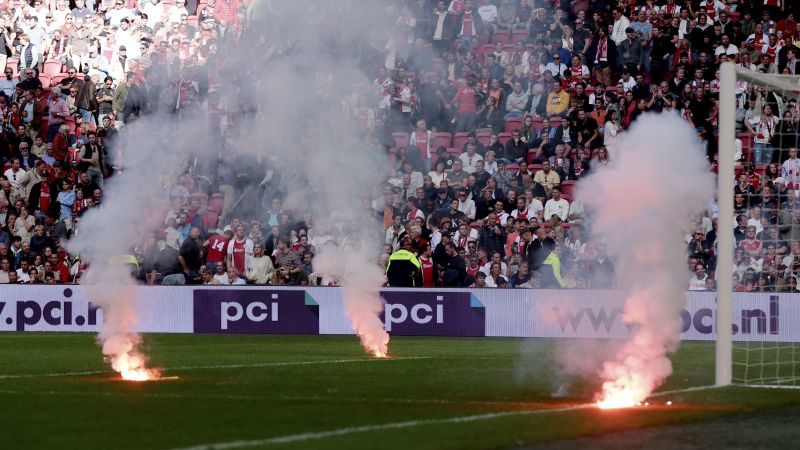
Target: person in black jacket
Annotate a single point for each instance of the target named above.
(404, 269)
(456, 269)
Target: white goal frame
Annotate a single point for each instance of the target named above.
(729, 73)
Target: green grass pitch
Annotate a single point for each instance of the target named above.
(322, 392)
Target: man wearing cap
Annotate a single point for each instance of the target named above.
(119, 64)
(629, 52)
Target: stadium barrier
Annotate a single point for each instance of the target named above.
(445, 312)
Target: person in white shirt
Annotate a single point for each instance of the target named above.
(488, 13)
(698, 280)
(791, 170)
(221, 275)
(466, 205)
(14, 174)
(233, 277)
(470, 158)
(556, 67)
(627, 81)
(557, 205)
(620, 24)
(9, 83)
(726, 48)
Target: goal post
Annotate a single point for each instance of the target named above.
(749, 349)
(725, 240)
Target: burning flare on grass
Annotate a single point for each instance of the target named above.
(363, 303)
(122, 351)
(658, 179)
(106, 286)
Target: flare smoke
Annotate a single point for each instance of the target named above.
(641, 204)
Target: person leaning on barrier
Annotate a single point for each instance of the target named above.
(551, 270)
(404, 269)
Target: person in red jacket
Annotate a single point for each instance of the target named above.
(466, 103)
(61, 143)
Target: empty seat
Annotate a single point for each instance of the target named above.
(483, 137)
(503, 36)
(216, 203)
(567, 188)
(52, 67)
(400, 139)
(441, 139)
(513, 123)
(519, 35)
(503, 137)
(460, 139)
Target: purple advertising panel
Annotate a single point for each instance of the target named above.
(255, 311)
(433, 313)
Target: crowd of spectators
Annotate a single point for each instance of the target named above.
(489, 112)
(519, 100)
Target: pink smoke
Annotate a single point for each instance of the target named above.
(641, 203)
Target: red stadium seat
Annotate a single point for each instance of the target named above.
(503, 36)
(567, 188)
(513, 167)
(216, 203)
(503, 137)
(533, 168)
(483, 39)
(454, 151)
(441, 139)
(55, 80)
(482, 51)
(459, 140)
(484, 137)
(45, 80)
(193, 21)
(211, 218)
(518, 35)
(400, 139)
(52, 67)
(13, 63)
(513, 123)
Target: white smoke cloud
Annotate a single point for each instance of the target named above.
(297, 65)
(641, 203)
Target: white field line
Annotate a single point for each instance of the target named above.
(386, 426)
(768, 386)
(681, 391)
(409, 424)
(275, 398)
(222, 366)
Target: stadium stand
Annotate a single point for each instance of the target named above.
(582, 88)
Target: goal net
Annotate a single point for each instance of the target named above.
(759, 131)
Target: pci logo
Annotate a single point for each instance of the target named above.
(602, 321)
(65, 314)
(433, 314)
(255, 311)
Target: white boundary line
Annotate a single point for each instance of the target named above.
(768, 386)
(387, 426)
(278, 398)
(408, 424)
(223, 366)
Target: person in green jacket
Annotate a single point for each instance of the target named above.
(550, 271)
(404, 269)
